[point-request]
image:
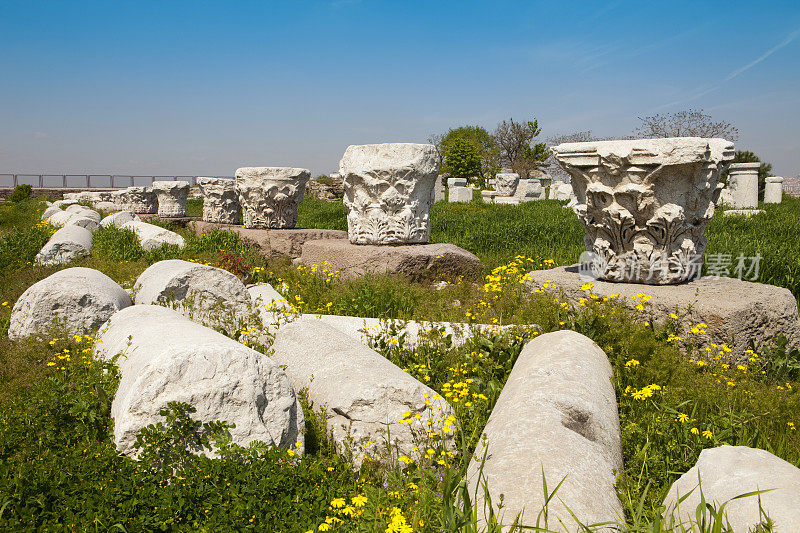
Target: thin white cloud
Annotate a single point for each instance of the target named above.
(40, 135)
(792, 36)
(704, 90)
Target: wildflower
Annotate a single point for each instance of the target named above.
(337, 503)
(359, 500)
(632, 363)
(695, 431)
(707, 434)
(587, 286)
(682, 418)
(791, 425)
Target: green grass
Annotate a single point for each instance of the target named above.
(59, 469)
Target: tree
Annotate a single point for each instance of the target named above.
(462, 159)
(516, 149)
(482, 140)
(689, 123)
(552, 166)
(764, 170)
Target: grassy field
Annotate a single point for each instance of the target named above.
(59, 469)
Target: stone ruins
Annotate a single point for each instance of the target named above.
(269, 196)
(773, 190)
(172, 196)
(645, 204)
(220, 200)
(388, 191)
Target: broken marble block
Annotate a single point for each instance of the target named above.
(77, 299)
(388, 190)
(220, 200)
(172, 196)
(208, 295)
(165, 357)
(364, 395)
(151, 236)
(269, 196)
(66, 244)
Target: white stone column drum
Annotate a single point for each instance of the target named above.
(645, 204)
(743, 183)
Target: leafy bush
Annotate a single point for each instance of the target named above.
(20, 192)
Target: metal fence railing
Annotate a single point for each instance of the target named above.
(86, 181)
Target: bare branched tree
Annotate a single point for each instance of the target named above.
(436, 140)
(551, 165)
(516, 150)
(689, 123)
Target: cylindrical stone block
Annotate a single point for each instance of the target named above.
(743, 184)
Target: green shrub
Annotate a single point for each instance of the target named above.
(20, 192)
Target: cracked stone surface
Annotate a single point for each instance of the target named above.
(167, 357)
(557, 413)
(728, 471)
(80, 299)
(172, 196)
(364, 394)
(220, 200)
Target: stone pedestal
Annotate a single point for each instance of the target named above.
(506, 183)
(773, 190)
(172, 196)
(506, 200)
(735, 311)
(388, 190)
(269, 196)
(438, 190)
(220, 201)
(561, 190)
(273, 242)
(419, 262)
(460, 194)
(746, 213)
(488, 196)
(743, 185)
(645, 203)
(529, 190)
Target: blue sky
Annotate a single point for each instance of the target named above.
(201, 88)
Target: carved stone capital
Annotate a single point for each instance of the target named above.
(269, 196)
(645, 204)
(388, 192)
(220, 200)
(172, 196)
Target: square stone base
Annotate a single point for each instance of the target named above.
(735, 311)
(418, 262)
(507, 200)
(460, 194)
(273, 242)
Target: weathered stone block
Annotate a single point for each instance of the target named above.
(66, 244)
(269, 196)
(220, 200)
(167, 357)
(363, 394)
(460, 194)
(388, 190)
(416, 262)
(729, 471)
(151, 236)
(78, 299)
(773, 190)
(735, 311)
(506, 183)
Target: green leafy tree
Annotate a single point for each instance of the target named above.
(462, 159)
(518, 150)
(482, 140)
